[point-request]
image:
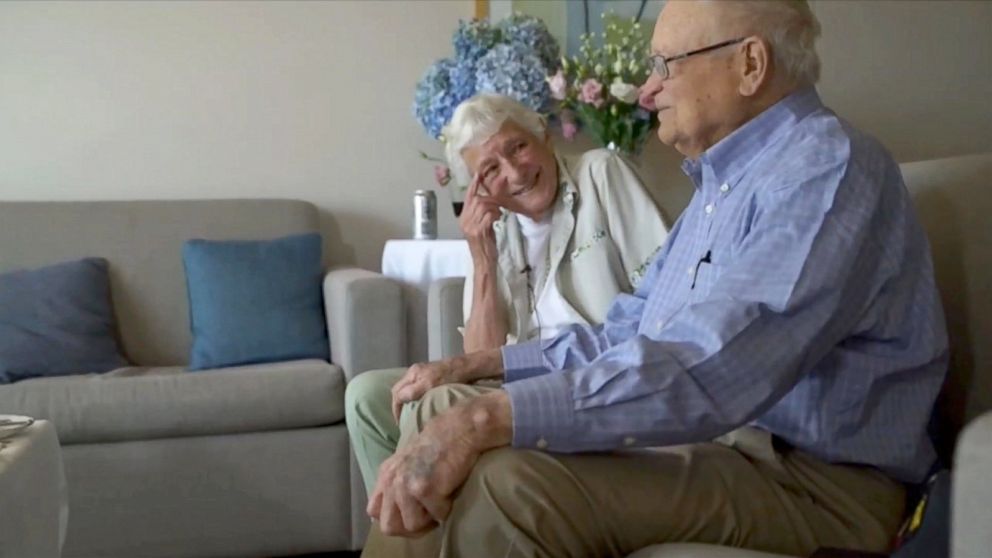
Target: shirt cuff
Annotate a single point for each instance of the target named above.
(522, 361)
(543, 414)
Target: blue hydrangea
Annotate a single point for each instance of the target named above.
(463, 80)
(435, 99)
(531, 33)
(515, 71)
(512, 58)
(473, 39)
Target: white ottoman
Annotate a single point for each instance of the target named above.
(33, 504)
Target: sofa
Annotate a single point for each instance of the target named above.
(954, 201)
(163, 462)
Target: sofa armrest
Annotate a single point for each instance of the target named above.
(971, 502)
(444, 317)
(365, 320)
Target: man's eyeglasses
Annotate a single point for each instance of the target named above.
(660, 62)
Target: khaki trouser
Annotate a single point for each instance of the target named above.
(740, 490)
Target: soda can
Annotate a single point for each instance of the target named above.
(424, 215)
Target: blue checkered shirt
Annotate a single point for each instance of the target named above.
(795, 294)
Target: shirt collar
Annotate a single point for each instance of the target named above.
(567, 191)
(731, 156)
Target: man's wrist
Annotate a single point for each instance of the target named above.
(490, 419)
(478, 365)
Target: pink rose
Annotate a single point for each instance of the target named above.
(442, 174)
(592, 93)
(558, 86)
(569, 129)
(568, 125)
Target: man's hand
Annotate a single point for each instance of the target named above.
(423, 376)
(415, 485)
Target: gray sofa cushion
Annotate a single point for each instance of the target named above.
(146, 403)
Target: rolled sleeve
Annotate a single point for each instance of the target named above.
(523, 360)
(542, 410)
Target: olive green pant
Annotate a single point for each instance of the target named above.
(368, 412)
(738, 491)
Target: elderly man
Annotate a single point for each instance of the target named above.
(781, 357)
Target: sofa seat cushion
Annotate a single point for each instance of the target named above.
(141, 403)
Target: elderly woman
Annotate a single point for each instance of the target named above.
(553, 240)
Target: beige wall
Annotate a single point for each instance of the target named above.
(308, 100)
(916, 74)
(312, 100)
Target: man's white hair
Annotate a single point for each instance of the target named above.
(789, 26)
(478, 119)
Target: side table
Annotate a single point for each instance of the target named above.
(34, 508)
(415, 264)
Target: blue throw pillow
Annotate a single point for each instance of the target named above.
(255, 301)
(57, 320)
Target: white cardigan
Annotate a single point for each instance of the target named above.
(605, 231)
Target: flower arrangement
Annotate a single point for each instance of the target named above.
(598, 89)
(513, 57)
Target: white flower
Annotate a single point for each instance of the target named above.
(625, 92)
(558, 85)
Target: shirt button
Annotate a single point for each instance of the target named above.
(691, 270)
(708, 209)
(629, 441)
(661, 324)
(542, 444)
(724, 188)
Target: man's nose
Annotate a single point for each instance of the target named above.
(647, 92)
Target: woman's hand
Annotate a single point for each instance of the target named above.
(417, 380)
(423, 376)
(476, 223)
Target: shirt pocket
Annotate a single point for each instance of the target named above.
(703, 280)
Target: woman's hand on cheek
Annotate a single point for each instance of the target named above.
(476, 223)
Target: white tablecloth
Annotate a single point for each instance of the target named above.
(33, 502)
(416, 264)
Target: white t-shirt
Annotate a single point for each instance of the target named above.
(551, 312)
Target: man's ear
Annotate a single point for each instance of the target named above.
(756, 68)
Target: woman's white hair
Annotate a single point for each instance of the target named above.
(478, 119)
(790, 27)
